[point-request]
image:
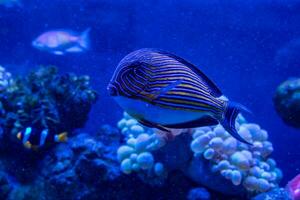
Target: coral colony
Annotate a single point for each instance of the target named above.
(44, 100)
(89, 166)
(249, 166)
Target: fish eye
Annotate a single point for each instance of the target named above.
(134, 70)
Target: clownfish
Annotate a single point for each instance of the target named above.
(34, 139)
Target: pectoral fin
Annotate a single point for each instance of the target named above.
(162, 91)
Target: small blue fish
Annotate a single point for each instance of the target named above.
(33, 139)
(164, 91)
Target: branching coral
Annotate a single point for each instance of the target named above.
(218, 154)
(46, 100)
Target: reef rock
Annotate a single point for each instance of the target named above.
(287, 102)
(79, 167)
(277, 193)
(198, 194)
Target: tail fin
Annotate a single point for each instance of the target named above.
(84, 39)
(231, 112)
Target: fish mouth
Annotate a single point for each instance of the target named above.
(112, 90)
(37, 45)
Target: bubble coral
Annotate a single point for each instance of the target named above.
(235, 161)
(136, 154)
(216, 154)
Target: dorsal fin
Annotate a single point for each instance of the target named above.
(215, 91)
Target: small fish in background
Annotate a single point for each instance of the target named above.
(33, 139)
(164, 91)
(10, 3)
(60, 42)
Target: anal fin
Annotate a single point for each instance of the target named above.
(153, 125)
(203, 121)
(58, 52)
(74, 49)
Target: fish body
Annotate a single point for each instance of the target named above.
(34, 139)
(60, 42)
(164, 91)
(159, 115)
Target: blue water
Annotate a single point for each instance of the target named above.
(236, 43)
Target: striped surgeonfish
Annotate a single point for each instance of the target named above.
(162, 90)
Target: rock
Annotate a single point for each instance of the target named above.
(287, 102)
(5, 186)
(198, 194)
(277, 193)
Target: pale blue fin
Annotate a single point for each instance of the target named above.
(58, 52)
(166, 89)
(74, 49)
(84, 40)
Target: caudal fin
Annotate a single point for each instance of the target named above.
(232, 111)
(84, 40)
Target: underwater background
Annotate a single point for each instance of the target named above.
(246, 47)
